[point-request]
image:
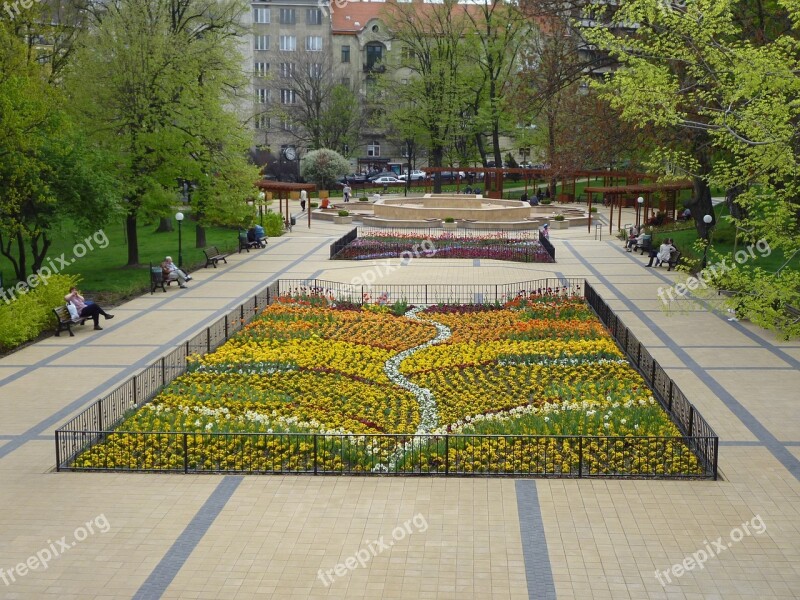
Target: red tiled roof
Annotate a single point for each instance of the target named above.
(352, 17)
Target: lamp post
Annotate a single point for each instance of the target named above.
(639, 202)
(707, 219)
(179, 219)
(261, 198)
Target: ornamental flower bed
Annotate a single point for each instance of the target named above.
(520, 248)
(312, 386)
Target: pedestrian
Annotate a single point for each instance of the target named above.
(303, 200)
(346, 192)
(85, 308)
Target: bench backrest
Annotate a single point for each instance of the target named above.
(62, 312)
(211, 251)
(156, 274)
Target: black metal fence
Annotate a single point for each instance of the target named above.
(692, 456)
(548, 245)
(343, 241)
(699, 434)
(429, 293)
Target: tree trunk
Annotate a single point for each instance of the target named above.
(5, 250)
(21, 266)
(736, 210)
(199, 236)
(165, 225)
(39, 255)
(133, 240)
(437, 152)
(701, 206)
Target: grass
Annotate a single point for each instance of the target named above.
(103, 271)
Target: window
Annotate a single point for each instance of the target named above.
(288, 96)
(315, 70)
(287, 16)
(345, 53)
(287, 70)
(261, 15)
(288, 43)
(313, 16)
(262, 42)
(262, 122)
(261, 69)
(374, 54)
(314, 43)
(287, 125)
(262, 95)
(374, 149)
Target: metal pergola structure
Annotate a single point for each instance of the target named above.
(283, 189)
(617, 196)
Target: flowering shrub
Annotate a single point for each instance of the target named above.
(537, 366)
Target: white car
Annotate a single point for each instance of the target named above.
(386, 180)
(415, 176)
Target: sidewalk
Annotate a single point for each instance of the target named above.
(270, 537)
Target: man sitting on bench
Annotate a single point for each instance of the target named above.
(172, 272)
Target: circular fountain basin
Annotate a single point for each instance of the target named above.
(462, 207)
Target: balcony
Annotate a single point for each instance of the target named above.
(375, 68)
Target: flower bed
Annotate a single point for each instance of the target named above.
(357, 389)
(499, 246)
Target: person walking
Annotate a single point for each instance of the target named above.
(86, 308)
(346, 191)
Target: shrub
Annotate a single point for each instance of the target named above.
(273, 224)
(558, 218)
(344, 213)
(314, 204)
(545, 201)
(363, 199)
(30, 314)
(323, 167)
(593, 209)
(449, 220)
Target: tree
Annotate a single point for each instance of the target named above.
(323, 167)
(324, 113)
(688, 69)
(156, 81)
(48, 173)
(435, 55)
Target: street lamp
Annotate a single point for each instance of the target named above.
(707, 219)
(639, 202)
(179, 219)
(261, 198)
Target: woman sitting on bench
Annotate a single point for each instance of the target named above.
(171, 271)
(86, 308)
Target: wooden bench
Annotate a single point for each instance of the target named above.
(674, 257)
(213, 256)
(64, 321)
(645, 245)
(246, 244)
(157, 279)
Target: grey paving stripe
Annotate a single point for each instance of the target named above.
(759, 431)
(61, 415)
(735, 324)
(538, 570)
(751, 443)
(172, 562)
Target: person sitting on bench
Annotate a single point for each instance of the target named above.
(86, 308)
(635, 238)
(171, 271)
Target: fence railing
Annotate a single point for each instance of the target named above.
(699, 434)
(343, 241)
(692, 456)
(386, 454)
(548, 245)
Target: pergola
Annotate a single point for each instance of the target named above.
(494, 178)
(283, 190)
(616, 196)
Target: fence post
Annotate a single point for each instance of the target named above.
(716, 455)
(100, 415)
(669, 398)
(185, 453)
(580, 456)
(58, 455)
(446, 454)
(226, 327)
(495, 293)
(639, 355)
(241, 313)
(135, 390)
(208, 340)
(653, 371)
(163, 370)
(315, 453)
(691, 419)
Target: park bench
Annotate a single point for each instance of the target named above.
(213, 256)
(65, 320)
(157, 279)
(674, 257)
(246, 244)
(645, 245)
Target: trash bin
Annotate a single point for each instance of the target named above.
(293, 221)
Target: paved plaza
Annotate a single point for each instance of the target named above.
(105, 535)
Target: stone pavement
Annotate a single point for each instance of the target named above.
(153, 536)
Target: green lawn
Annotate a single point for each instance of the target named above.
(103, 271)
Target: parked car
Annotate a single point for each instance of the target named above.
(382, 174)
(353, 178)
(387, 180)
(453, 175)
(415, 176)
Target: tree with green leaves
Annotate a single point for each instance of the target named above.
(155, 82)
(734, 104)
